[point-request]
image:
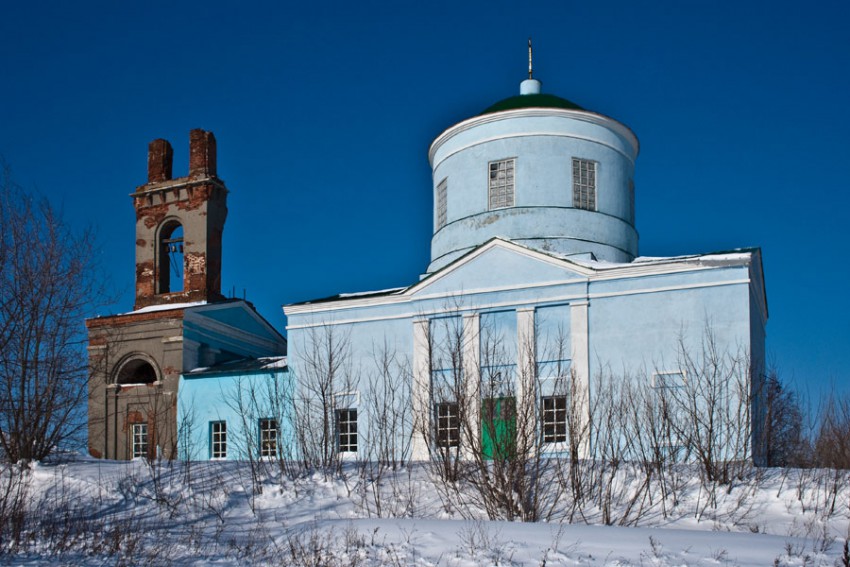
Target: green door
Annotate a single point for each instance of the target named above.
(498, 428)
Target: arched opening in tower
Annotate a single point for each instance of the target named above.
(171, 258)
(136, 371)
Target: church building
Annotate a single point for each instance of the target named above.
(534, 301)
(534, 294)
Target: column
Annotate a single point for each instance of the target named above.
(526, 391)
(472, 383)
(421, 393)
(580, 340)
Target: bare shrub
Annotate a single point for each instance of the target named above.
(783, 441)
(325, 373)
(832, 437)
(485, 432)
(49, 282)
(14, 492)
(715, 407)
(387, 443)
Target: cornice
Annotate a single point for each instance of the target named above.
(576, 299)
(580, 115)
(533, 133)
(179, 183)
(583, 274)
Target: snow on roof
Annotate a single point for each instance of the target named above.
(165, 307)
(387, 291)
(732, 256)
(362, 294)
(736, 256)
(264, 363)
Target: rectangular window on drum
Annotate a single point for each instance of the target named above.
(502, 183)
(584, 184)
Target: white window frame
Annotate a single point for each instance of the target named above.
(666, 385)
(139, 440)
(662, 380)
(584, 183)
(442, 202)
(346, 437)
(501, 184)
(218, 440)
(269, 437)
(549, 417)
(446, 425)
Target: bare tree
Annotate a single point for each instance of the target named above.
(49, 282)
(652, 424)
(387, 441)
(712, 405)
(486, 432)
(325, 376)
(387, 402)
(832, 438)
(783, 424)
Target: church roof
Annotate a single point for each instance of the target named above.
(734, 257)
(532, 101)
(241, 366)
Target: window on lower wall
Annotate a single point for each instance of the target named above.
(671, 390)
(502, 183)
(669, 381)
(218, 439)
(447, 421)
(268, 437)
(584, 184)
(139, 440)
(346, 429)
(554, 419)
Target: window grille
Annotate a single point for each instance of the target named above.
(139, 441)
(448, 424)
(218, 439)
(268, 437)
(554, 419)
(502, 183)
(584, 184)
(442, 203)
(346, 427)
(668, 380)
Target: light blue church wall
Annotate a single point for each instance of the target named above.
(641, 324)
(242, 402)
(541, 143)
(373, 366)
(637, 317)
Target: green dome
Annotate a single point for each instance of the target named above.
(532, 101)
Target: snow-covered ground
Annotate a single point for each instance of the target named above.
(103, 513)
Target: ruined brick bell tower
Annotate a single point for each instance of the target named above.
(136, 358)
(179, 226)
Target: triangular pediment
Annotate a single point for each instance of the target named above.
(500, 264)
(235, 324)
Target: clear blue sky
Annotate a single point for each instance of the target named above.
(324, 114)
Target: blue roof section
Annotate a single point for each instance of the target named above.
(243, 366)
